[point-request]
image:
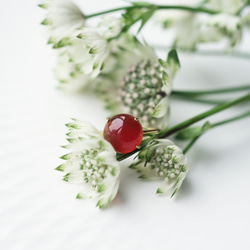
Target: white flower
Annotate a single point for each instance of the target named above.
(91, 163)
(96, 41)
(110, 27)
(193, 28)
(226, 6)
(145, 88)
(246, 19)
(184, 24)
(222, 26)
(163, 160)
(63, 17)
(80, 61)
(97, 47)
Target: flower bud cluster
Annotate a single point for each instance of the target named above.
(192, 29)
(91, 163)
(146, 87)
(163, 160)
(141, 91)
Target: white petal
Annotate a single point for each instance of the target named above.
(161, 109)
(166, 186)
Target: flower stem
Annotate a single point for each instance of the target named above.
(244, 115)
(203, 52)
(208, 92)
(182, 125)
(191, 143)
(157, 7)
(194, 99)
(169, 131)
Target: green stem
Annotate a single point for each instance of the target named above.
(194, 99)
(166, 132)
(157, 7)
(243, 55)
(182, 125)
(208, 92)
(237, 54)
(244, 115)
(191, 143)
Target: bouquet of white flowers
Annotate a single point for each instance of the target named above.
(111, 60)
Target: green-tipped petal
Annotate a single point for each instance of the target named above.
(163, 63)
(43, 6)
(173, 62)
(161, 108)
(47, 21)
(60, 168)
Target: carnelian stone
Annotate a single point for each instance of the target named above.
(124, 132)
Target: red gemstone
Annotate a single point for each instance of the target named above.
(124, 132)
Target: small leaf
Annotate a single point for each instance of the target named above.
(192, 132)
(206, 127)
(188, 133)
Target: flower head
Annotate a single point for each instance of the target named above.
(63, 17)
(146, 87)
(83, 52)
(98, 44)
(163, 160)
(228, 6)
(222, 26)
(192, 28)
(91, 163)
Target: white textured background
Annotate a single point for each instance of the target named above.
(39, 211)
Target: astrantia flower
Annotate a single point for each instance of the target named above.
(63, 17)
(83, 52)
(192, 29)
(146, 87)
(96, 42)
(91, 163)
(222, 26)
(226, 6)
(184, 23)
(163, 160)
(70, 75)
